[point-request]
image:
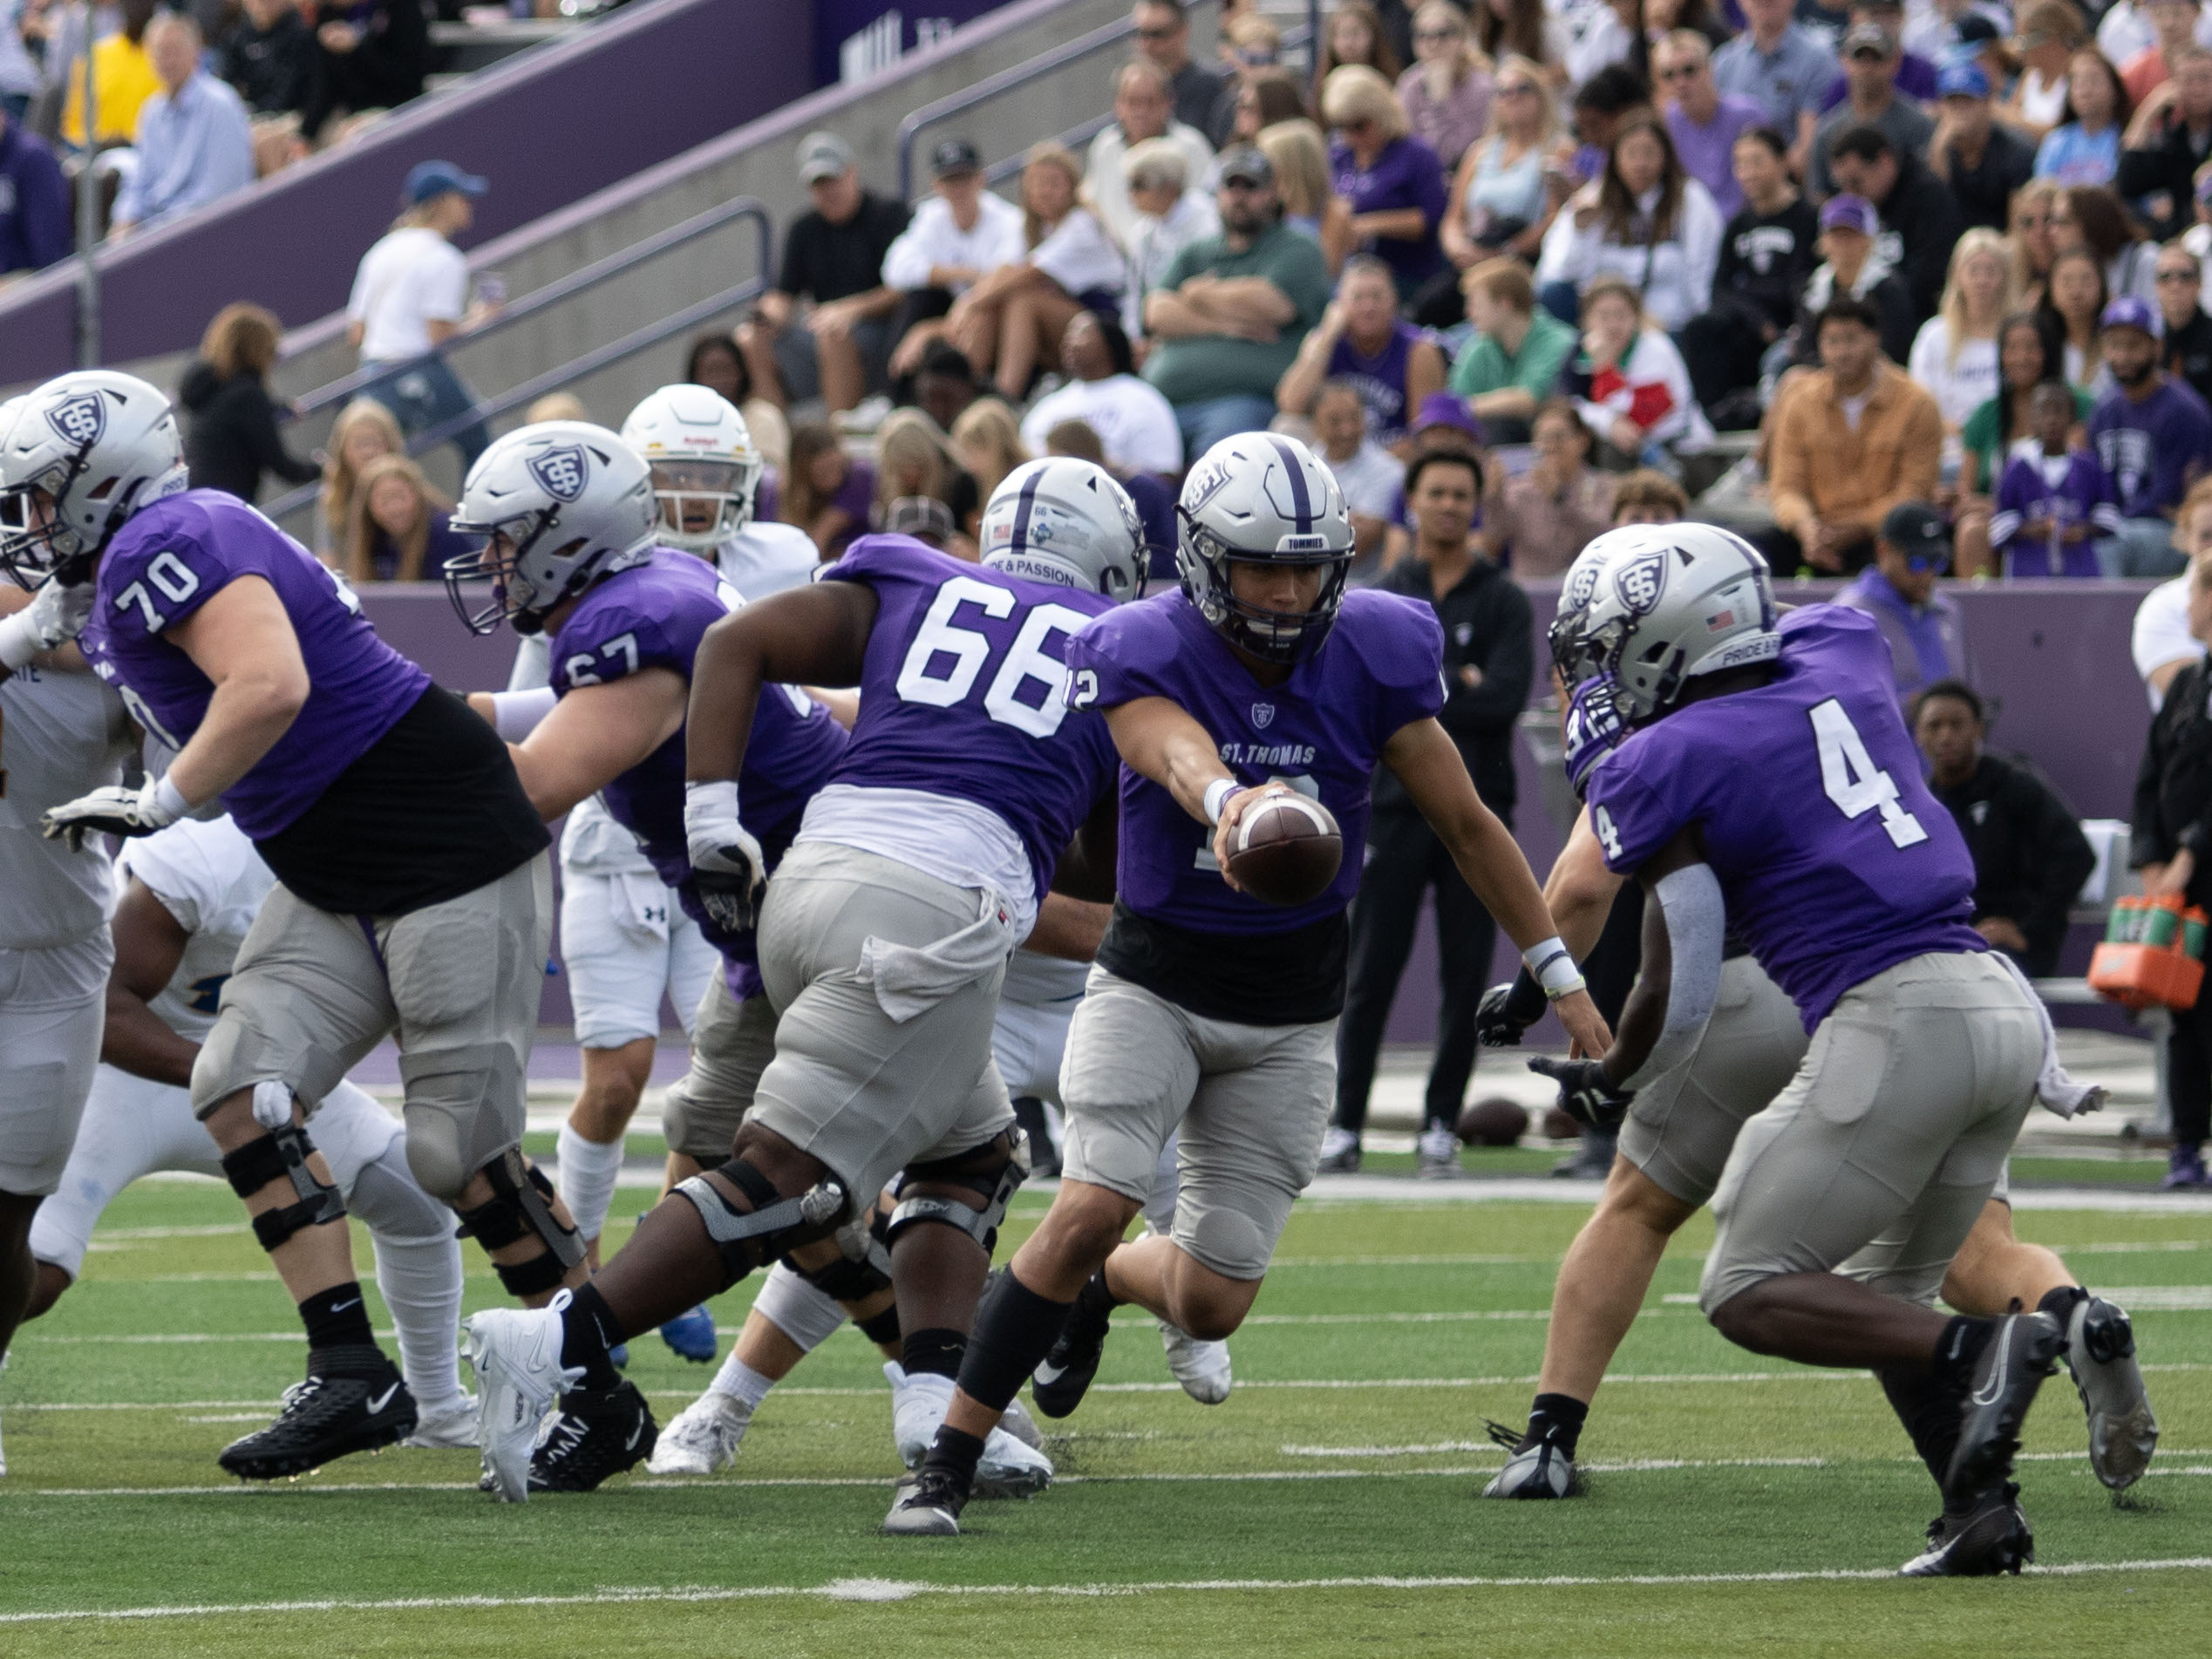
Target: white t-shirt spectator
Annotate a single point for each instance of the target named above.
(2161, 632)
(1152, 242)
(1675, 276)
(1135, 425)
(932, 238)
(1080, 256)
(1373, 480)
(1604, 41)
(1109, 191)
(410, 279)
(1961, 386)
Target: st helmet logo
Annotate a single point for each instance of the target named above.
(1641, 581)
(1263, 715)
(81, 419)
(561, 472)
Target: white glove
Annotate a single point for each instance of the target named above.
(56, 616)
(273, 1105)
(728, 868)
(117, 810)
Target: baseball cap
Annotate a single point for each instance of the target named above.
(1247, 164)
(426, 179)
(1918, 531)
(822, 156)
(1963, 80)
(1869, 37)
(1447, 409)
(2128, 312)
(1973, 32)
(1850, 213)
(953, 157)
(923, 517)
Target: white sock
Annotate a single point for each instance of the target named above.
(740, 1382)
(418, 1273)
(587, 1174)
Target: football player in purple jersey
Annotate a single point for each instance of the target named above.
(1842, 1206)
(1209, 1011)
(413, 882)
(883, 938)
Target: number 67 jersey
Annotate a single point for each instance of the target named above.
(1836, 860)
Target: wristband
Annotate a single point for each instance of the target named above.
(515, 715)
(169, 799)
(1217, 794)
(18, 639)
(1553, 967)
(709, 806)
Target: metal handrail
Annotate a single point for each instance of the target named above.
(565, 288)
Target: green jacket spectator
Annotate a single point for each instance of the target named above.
(1509, 365)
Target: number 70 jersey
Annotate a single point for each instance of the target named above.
(961, 693)
(1836, 861)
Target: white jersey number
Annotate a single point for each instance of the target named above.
(1026, 658)
(581, 667)
(1853, 781)
(172, 578)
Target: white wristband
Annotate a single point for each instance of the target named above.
(515, 715)
(709, 806)
(18, 641)
(1552, 965)
(1217, 794)
(169, 799)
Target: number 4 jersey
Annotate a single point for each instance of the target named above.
(1836, 860)
(966, 762)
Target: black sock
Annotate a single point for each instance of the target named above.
(1015, 1329)
(933, 1352)
(1094, 1298)
(1928, 1407)
(337, 1318)
(1556, 1418)
(955, 1454)
(1961, 1346)
(588, 1330)
(881, 1327)
(2059, 1304)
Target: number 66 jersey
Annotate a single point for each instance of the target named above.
(1836, 860)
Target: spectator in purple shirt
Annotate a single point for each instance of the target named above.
(1391, 181)
(1703, 121)
(34, 201)
(2154, 436)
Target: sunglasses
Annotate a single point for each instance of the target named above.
(2179, 275)
(1156, 33)
(1242, 184)
(1434, 35)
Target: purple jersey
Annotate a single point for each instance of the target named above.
(1322, 730)
(1836, 861)
(162, 566)
(960, 693)
(653, 615)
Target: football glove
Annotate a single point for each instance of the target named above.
(116, 810)
(1506, 1011)
(1585, 1093)
(729, 871)
(56, 615)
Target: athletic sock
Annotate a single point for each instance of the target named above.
(741, 1382)
(1556, 1418)
(589, 1171)
(337, 1318)
(588, 1330)
(1015, 1329)
(956, 1454)
(1928, 1407)
(935, 1352)
(1095, 1298)
(2059, 1302)
(420, 1280)
(1960, 1348)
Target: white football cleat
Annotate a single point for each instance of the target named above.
(703, 1438)
(448, 1427)
(516, 1353)
(1008, 1468)
(1201, 1368)
(1017, 1421)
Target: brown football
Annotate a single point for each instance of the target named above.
(1560, 1125)
(1286, 850)
(1493, 1122)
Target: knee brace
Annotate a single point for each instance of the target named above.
(522, 1205)
(282, 1154)
(994, 1172)
(863, 1269)
(775, 1225)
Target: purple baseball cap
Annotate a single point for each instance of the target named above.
(2128, 312)
(1447, 409)
(1850, 213)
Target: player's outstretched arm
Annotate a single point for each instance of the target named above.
(1580, 890)
(149, 943)
(811, 635)
(1159, 740)
(596, 734)
(241, 639)
(1425, 759)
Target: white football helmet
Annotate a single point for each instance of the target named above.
(559, 504)
(1065, 521)
(1671, 603)
(98, 445)
(1262, 498)
(706, 469)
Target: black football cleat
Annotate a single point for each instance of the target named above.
(1989, 1539)
(593, 1434)
(353, 1400)
(1064, 1376)
(927, 1506)
(2024, 1351)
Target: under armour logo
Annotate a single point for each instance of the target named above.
(561, 472)
(81, 419)
(1263, 715)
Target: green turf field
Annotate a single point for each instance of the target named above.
(1326, 1507)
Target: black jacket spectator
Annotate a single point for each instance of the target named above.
(2186, 353)
(1487, 624)
(1891, 299)
(272, 69)
(2168, 169)
(230, 436)
(2030, 855)
(1765, 259)
(2173, 786)
(383, 68)
(1925, 220)
(1984, 191)
(824, 261)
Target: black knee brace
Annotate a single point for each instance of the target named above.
(280, 1155)
(994, 1172)
(521, 1207)
(773, 1227)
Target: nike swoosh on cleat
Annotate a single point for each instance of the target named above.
(634, 1435)
(383, 1399)
(1996, 1370)
(1049, 1375)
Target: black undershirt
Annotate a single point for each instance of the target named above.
(431, 811)
(1293, 978)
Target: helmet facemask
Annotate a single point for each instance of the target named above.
(500, 561)
(1272, 636)
(703, 503)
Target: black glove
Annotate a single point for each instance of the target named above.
(1506, 1012)
(1584, 1094)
